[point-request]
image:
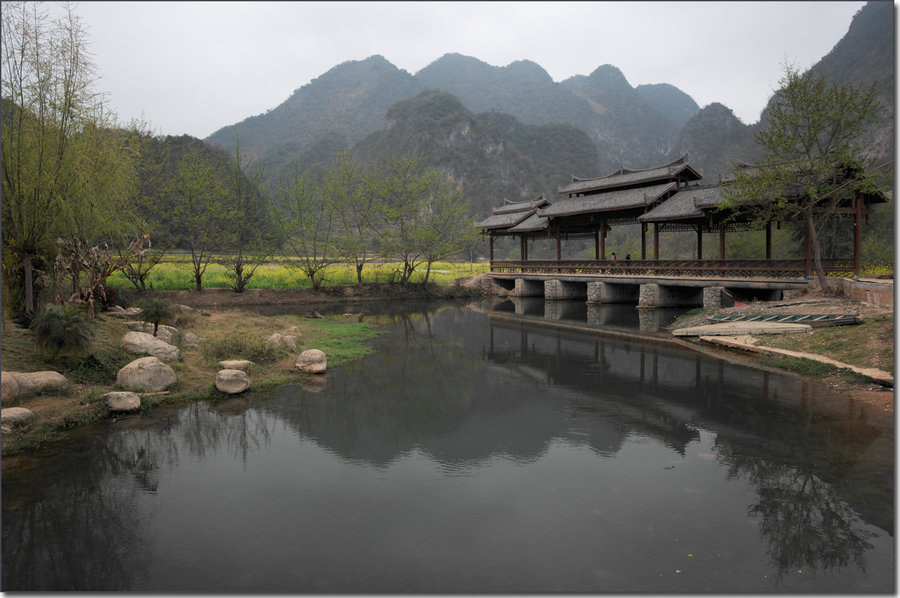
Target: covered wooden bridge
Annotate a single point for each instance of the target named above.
(665, 198)
(661, 199)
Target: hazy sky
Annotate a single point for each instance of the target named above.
(193, 68)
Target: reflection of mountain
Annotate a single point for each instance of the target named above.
(424, 391)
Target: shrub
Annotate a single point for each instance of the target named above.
(97, 368)
(60, 330)
(156, 311)
(239, 345)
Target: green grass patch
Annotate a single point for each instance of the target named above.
(802, 366)
(341, 341)
(868, 344)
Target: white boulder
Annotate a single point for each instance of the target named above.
(312, 361)
(141, 342)
(147, 374)
(16, 415)
(40, 381)
(190, 340)
(235, 364)
(232, 382)
(119, 402)
(165, 333)
(10, 387)
(283, 341)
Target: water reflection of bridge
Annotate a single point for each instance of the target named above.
(759, 417)
(610, 317)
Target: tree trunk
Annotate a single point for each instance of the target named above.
(29, 284)
(359, 269)
(817, 255)
(427, 274)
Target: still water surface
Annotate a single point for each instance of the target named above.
(478, 450)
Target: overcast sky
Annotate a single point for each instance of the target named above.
(193, 68)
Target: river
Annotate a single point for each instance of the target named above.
(507, 447)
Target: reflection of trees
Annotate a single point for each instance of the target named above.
(805, 521)
(806, 525)
(73, 526)
(55, 520)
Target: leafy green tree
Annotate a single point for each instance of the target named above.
(307, 226)
(346, 185)
(152, 160)
(197, 190)
(811, 156)
(249, 233)
(444, 227)
(401, 188)
(64, 169)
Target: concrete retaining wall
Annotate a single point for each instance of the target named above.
(878, 292)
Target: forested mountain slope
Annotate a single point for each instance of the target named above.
(533, 117)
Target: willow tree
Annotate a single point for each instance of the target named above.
(812, 157)
(61, 160)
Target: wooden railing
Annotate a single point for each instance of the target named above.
(695, 268)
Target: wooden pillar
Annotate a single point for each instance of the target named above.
(492, 247)
(643, 240)
(769, 240)
(603, 239)
(857, 234)
(656, 240)
(721, 241)
(597, 234)
(523, 241)
(699, 241)
(558, 246)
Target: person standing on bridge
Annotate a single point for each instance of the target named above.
(613, 258)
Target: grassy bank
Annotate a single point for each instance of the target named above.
(228, 334)
(868, 344)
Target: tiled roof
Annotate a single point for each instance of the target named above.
(533, 223)
(512, 213)
(612, 200)
(627, 177)
(687, 203)
(504, 220)
(521, 205)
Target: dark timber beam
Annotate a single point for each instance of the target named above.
(699, 241)
(722, 241)
(857, 233)
(656, 240)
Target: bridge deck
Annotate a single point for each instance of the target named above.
(765, 269)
